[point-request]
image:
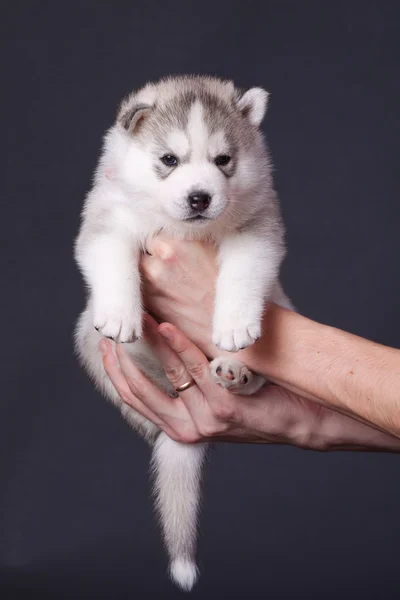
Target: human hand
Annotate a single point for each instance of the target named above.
(207, 412)
(179, 287)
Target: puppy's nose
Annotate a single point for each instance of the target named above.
(199, 200)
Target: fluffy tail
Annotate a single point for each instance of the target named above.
(177, 470)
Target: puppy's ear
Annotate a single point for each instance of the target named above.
(253, 105)
(130, 117)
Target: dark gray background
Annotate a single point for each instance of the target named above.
(278, 523)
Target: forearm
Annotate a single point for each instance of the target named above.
(348, 373)
(305, 424)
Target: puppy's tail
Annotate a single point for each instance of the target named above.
(177, 472)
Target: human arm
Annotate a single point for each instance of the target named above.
(330, 366)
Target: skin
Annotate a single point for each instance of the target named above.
(330, 391)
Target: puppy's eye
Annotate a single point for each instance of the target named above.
(169, 160)
(222, 160)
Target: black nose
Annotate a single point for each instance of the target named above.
(199, 201)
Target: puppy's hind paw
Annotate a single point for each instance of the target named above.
(230, 374)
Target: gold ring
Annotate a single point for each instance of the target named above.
(185, 386)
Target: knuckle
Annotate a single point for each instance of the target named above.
(189, 438)
(163, 249)
(224, 412)
(152, 270)
(133, 386)
(187, 433)
(174, 435)
(209, 429)
(306, 434)
(175, 373)
(199, 370)
(125, 397)
(305, 439)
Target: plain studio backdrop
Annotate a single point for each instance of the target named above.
(278, 522)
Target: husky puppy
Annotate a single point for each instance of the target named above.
(186, 157)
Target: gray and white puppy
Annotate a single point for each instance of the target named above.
(186, 157)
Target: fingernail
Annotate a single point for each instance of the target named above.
(103, 347)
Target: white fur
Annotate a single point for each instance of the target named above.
(255, 102)
(249, 268)
(184, 572)
(178, 142)
(129, 203)
(111, 267)
(177, 470)
(217, 144)
(198, 133)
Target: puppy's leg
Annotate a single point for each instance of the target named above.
(234, 376)
(109, 263)
(248, 272)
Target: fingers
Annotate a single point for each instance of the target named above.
(173, 367)
(176, 371)
(192, 358)
(210, 406)
(197, 414)
(134, 389)
(166, 408)
(215, 407)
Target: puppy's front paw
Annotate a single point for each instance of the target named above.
(230, 374)
(119, 323)
(242, 334)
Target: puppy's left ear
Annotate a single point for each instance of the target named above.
(130, 117)
(253, 105)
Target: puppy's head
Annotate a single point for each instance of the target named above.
(194, 147)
